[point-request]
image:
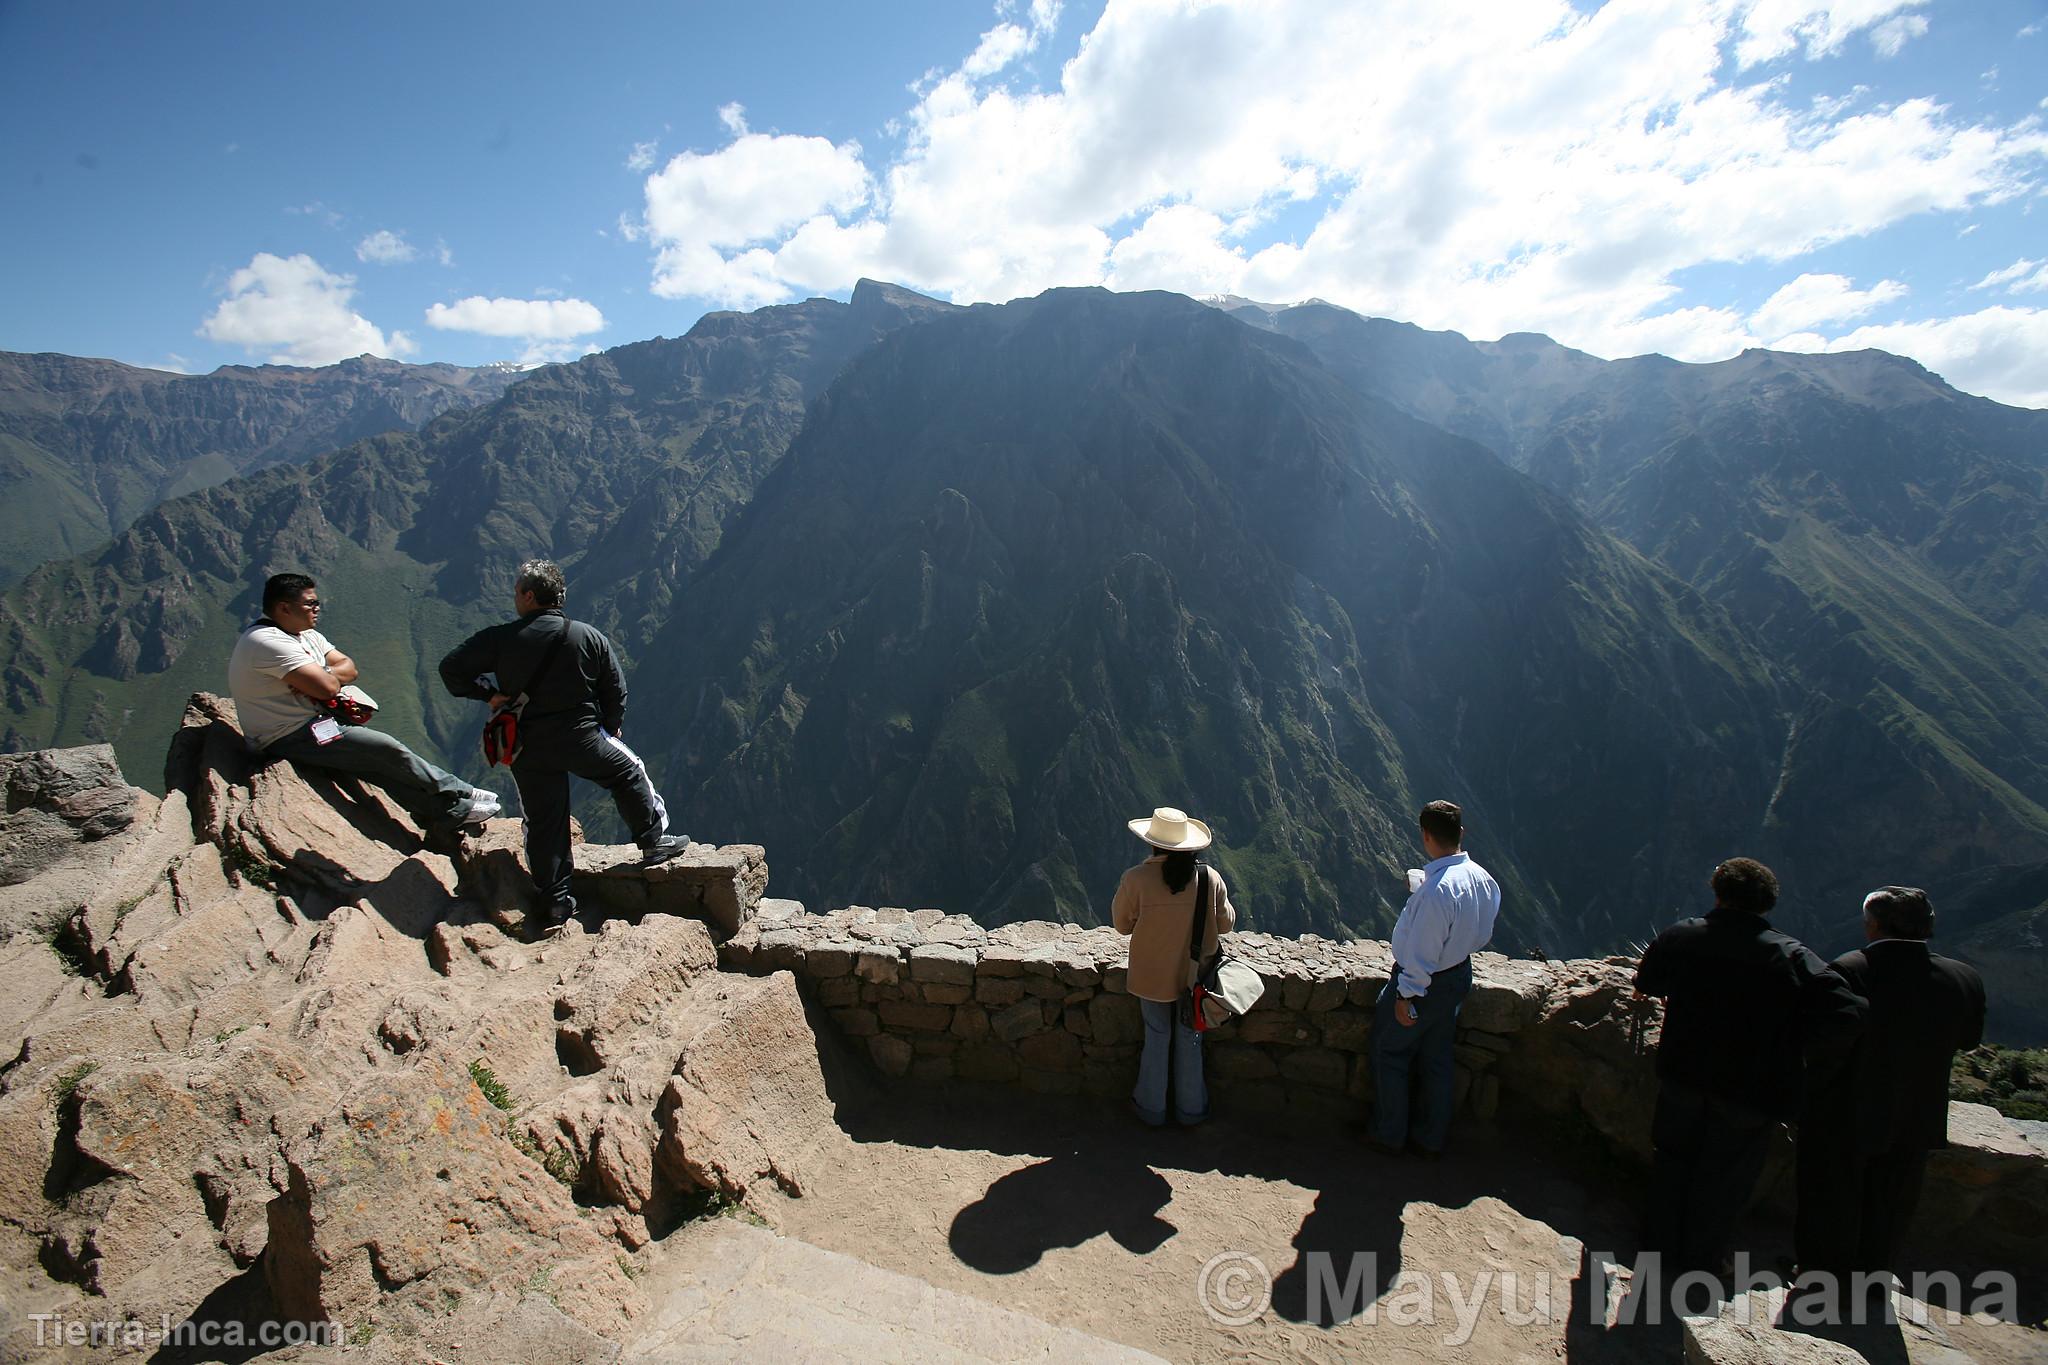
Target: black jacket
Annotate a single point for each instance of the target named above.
(1743, 1004)
(583, 686)
(1893, 1092)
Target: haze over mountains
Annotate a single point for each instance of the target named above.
(88, 445)
(929, 599)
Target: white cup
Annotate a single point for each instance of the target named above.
(1414, 880)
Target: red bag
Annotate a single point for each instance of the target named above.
(501, 736)
(501, 732)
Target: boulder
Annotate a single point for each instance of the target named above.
(55, 800)
(410, 1195)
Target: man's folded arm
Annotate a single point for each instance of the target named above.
(313, 680)
(342, 667)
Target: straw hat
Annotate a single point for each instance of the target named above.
(1171, 830)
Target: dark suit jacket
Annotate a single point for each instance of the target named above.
(1892, 1092)
(1743, 1004)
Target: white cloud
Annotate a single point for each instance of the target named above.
(999, 47)
(298, 312)
(442, 253)
(734, 117)
(758, 187)
(1815, 300)
(1891, 36)
(2022, 276)
(384, 247)
(642, 157)
(1774, 28)
(534, 319)
(1458, 163)
(1996, 352)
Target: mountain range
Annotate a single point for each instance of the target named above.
(86, 446)
(930, 600)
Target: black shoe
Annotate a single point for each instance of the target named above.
(662, 848)
(1416, 1149)
(558, 914)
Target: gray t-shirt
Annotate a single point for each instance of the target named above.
(268, 709)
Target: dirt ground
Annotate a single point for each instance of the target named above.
(1170, 1240)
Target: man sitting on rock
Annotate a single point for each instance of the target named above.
(575, 709)
(284, 674)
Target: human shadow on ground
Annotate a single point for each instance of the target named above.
(1092, 1152)
(1062, 1201)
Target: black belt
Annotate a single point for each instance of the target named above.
(1461, 962)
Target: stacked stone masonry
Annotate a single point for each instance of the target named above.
(934, 996)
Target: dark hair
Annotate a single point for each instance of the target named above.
(284, 587)
(1900, 911)
(543, 578)
(1745, 884)
(1444, 823)
(1178, 869)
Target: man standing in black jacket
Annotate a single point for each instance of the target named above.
(1743, 1003)
(1868, 1126)
(575, 709)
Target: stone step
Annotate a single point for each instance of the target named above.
(720, 885)
(724, 1290)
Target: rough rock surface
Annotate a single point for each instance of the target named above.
(261, 1040)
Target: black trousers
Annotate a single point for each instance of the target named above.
(1854, 1206)
(1708, 1156)
(542, 770)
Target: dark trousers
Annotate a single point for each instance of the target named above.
(542, 773)
(433, 798)
(1398, 1053)
(1854, 1206)
(1708, 1155)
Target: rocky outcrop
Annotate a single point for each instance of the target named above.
(271, 1042)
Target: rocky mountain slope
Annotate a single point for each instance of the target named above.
(1030, 570)
(624, 466)
(1879, 536)
(86, 446)
(1027, 570)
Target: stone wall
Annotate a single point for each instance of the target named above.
(934, 996)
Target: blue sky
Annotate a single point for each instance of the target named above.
(191, 185)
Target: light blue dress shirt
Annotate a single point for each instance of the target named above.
(1449, 918)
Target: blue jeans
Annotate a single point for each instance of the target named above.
(1397, 1051)
(1165, 1034)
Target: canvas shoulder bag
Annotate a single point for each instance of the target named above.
(1228, 986)
(501, 732)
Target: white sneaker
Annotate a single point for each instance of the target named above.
(483, 805)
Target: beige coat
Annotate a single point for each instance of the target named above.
(1159, 924)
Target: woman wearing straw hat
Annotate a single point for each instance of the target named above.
(1155, 905)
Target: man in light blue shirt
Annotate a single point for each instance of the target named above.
(1449, 917)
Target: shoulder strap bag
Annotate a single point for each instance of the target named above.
(1228, 986)
(501, 732)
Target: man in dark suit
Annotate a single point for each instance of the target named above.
(1743, 1003)
(1870, 1122)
